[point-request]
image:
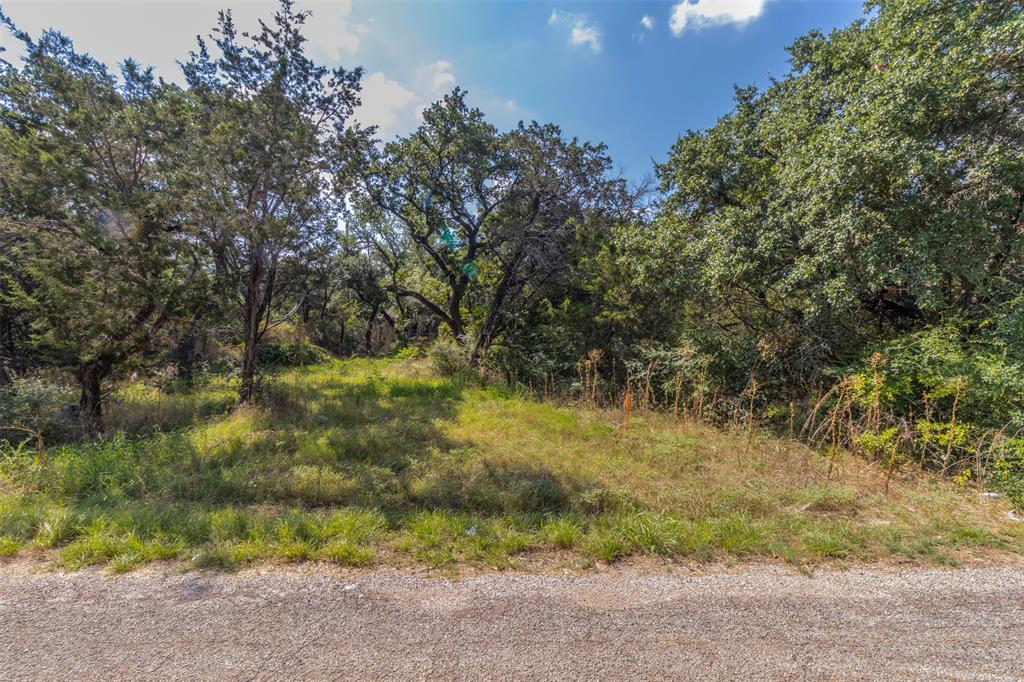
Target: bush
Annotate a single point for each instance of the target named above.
(449, 359)
(945, 366)
(1008, 472)
(290, 354)
(37, 403)
(409, 352)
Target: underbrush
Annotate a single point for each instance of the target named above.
(290, 354)
(32, 407)
(43, 408)
(382, 462)
(946, 398)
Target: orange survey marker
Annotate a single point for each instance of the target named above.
(627, 404)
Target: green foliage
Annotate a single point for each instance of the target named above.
(943, 364)
(95, 254)
(272, 128)
(883, 445)
(451, 359)
(851, 233)
(409, 352)
(1008, 472)
(290, 354)
(474, 221)
(372, 461)
(859, 198)
(35, 404)
(939, 395)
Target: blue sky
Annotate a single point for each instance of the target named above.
(598, 69)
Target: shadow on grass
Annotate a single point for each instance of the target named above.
(158, 412)
(327, 467)
(340, 463)
(381, 443)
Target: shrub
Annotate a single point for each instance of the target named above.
(290, 354)
(1008, 472)
(409, 352)
(37, 403)
(449, 359)
(931, 370)
(941, 396)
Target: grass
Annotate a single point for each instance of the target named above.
(373, 462)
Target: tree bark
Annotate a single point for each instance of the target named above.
(185, 353)
(487, 329)
(454, 323)
(186, 359)
(368, 338)
(90, 403)
(455, 310)
(247, 390)
(7, 347)
(250, 335)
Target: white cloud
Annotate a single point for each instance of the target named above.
(432, 81)
(386, 104)
(160, 33)
(331, 29)
(698, 14)
(436, 78)
(646, 26)
(582, 31)
(397, 109)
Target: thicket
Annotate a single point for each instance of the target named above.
(839, 258)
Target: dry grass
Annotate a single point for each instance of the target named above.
(369, 462)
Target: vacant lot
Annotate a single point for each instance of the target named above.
(381, 463)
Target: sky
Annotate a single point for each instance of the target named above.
(632, 74)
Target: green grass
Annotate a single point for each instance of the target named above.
(365, 463)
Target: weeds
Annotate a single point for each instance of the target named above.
(364, 462)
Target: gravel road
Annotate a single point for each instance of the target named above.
(752, 623)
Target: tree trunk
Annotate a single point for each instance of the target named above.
(368, 339)
(247, 390)
(185, 359)
(253, 313)
(455, 315)
(185, 353)
(7, 347)
(486, 336)
(90, 404)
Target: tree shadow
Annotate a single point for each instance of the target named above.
(332, 441)
(326, 466)
(325, 442)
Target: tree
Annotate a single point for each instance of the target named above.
(924, 221)
(10, 324)
(272, 126)
(90, 225)
(873, 191)
(489, 216)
